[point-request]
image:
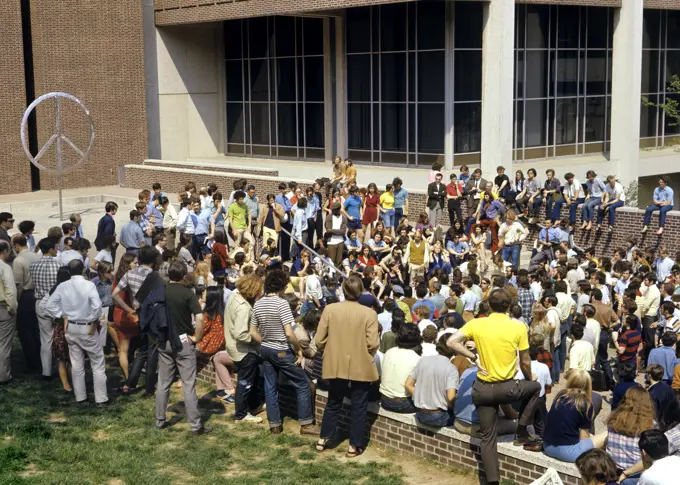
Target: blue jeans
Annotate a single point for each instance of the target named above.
(572, 209)
(612, 212)
(556, 364)
(554, 214)
(276, 361)
(438, 420)
(398, 214)
(388, 218)
(307, 306)
(662, 214)
(589, 207)
(536, 205)
(404, 406)
(511, 254)
(568, 453)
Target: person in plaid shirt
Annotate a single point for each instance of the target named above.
(526, 298)
(44, 274)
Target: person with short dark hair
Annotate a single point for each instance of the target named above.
(44, 274)
(348, 332)
(662, 202)
(629, 341)
(7, 223)
(627, 374)
(28, 329)
(660, 390)
(661, 468)
(271, 322)
(664, 356)
(497, 355)
(582, 353)
(185, 317)
(78, 303)
(8, 310)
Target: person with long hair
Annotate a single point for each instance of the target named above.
(540, 324)
(220, 254)
(367, 259)
(478, 247)
(212, 343)
(488, 214)
(370, 213)
(124, 327)
(634, 415)
(570, 418)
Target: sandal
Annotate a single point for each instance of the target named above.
(321, 445)
(353, 454)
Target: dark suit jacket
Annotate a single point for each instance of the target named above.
(472, 202)
(106, 227)
(436, 194)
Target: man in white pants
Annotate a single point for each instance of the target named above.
(44, 274)
(78, 303)
(8, 312)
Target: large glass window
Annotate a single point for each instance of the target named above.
(275, 87)
(396, 82)
(660, 62)
(563, 68)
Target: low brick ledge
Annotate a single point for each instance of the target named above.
(402, 433)
(219, 167)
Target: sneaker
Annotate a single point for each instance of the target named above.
(228, 398)
(249, 418)
(202, 430)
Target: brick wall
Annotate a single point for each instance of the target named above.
(15, 165)
(447, 447)
(93, 50)
(211, 167)
(663, 4)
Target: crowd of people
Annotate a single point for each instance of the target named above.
(336, 287)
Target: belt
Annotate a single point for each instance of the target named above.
(431, 411)
(94, 322)
(395, 398)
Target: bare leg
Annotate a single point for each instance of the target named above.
(123, 348)
(63, 375)
(113, 334)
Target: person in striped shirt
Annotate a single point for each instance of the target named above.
(271, 324)
(629, 341)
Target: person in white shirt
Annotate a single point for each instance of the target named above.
(582, 354)
(512, 233)
(429, 337)
(170, 220)
(573, 197)
(592, 324)
(661, 468)
(160, 242)
(385, 318)
(108, 245)
(8, 311)
(555, 320)
(469, 299)
(313, 290)
(613, 198)
(78, 303)
(672, 315)
(541, 374)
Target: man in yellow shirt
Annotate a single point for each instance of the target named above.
(498, 339)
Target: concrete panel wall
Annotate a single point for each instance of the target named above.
(188, 91)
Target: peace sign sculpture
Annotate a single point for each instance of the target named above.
(57, 137)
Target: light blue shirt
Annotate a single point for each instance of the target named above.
(253, 207)
(131, 236)
(621, 286)
(400, 197)
(665, 357)
(376, 245)
(353, 243)
(312, 208)
(464, 409)
(469, 301)
(663, 267)
(284, 202)
(662, 195)
(299, 224)
(203, 219)
(595, 188)
(458, 248)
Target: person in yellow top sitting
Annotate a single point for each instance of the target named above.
(350, 177)
(498, 339)
(387, 208)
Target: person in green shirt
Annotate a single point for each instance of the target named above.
(239, 216)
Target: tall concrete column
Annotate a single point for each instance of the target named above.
(626, 90)
(449, 83)
(497, 85)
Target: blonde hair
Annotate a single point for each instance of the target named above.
(634, 415)
(250, 286)
(201, 269)
(579, 391)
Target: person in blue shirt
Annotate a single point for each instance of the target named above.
(352, 242)
(659, 390)
(665, 356)
(663, 202)
(202, 229)
(464, 174)
(400, 200)
(593, 200)
(284, 238)
(300, 227)
(458, 250)
(421, 293)
(548, 240)
(352, 209)
(132, 236)
(311, 211)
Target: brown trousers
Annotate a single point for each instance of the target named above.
(487, 396)
(335, 254)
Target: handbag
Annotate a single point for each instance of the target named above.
(599, 382)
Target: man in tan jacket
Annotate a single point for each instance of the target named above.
(270, 219)
(348, 335)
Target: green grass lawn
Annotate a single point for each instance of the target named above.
(46, 439)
